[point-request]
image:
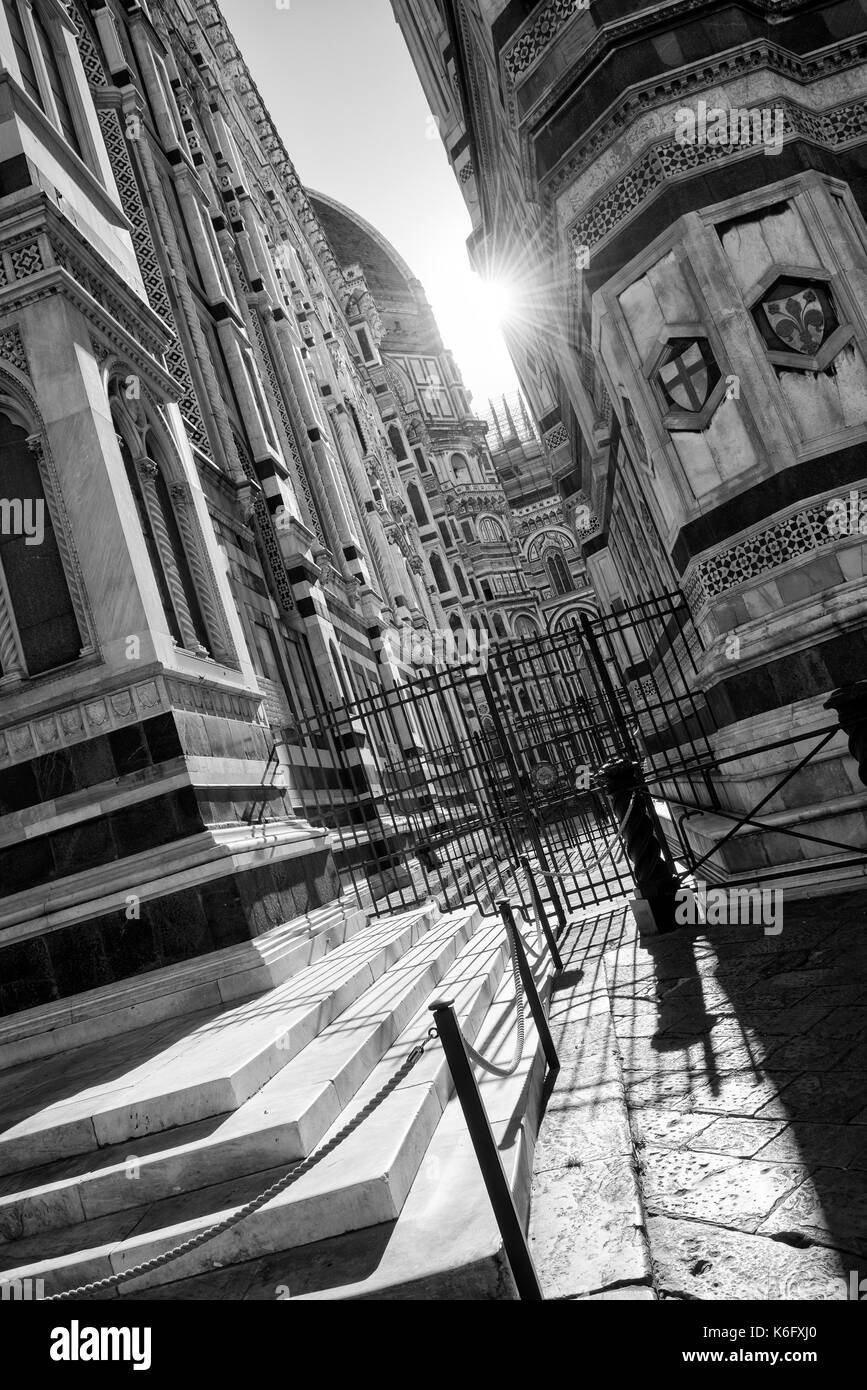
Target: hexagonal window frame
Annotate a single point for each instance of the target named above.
(674, 416)
(806, 278)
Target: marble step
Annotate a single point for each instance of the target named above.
(445, 1243)
(281, 1123)
(209, 981)
(185, 1070)
(364, 1182)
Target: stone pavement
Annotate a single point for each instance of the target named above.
(707, 1134)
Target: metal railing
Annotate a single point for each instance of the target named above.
(460, 1061)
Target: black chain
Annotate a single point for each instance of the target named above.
(299, 1171)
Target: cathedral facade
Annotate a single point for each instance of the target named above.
(678, 191)
(242, 481)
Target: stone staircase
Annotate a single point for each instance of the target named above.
(117, 1150)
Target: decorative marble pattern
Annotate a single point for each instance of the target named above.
(668, 159)
(555, 437)
(12, 349)
(691, 84)
(541, 33)
(155, 285)
(757, 554)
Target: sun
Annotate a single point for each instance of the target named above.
(496, 300)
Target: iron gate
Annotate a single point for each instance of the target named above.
(440, 786)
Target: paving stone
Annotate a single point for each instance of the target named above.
(810, 1053)
(568, 1138)
(839, 995)
(848, 1022)
(666, 1128)
(834, 1146)
(831, 1208)
(587, 1230)
(694, 1260)
(819, 1096)
(672, 1090)
(744, 1064)
(853, 1053)
(798, 1019)
(734, 1192)
(739, 1137)
(742, 1093)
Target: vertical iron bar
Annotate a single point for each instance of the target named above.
(487, 1153)
(530, 819)
(504, 907)
(541, 914)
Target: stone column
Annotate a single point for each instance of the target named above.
(202, 572)
(147, 471)
(60, 526)
(11, 656)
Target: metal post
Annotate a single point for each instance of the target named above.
(541, 913)
(850, 706)
(493, 1173)
(504, 908)
(642, 839)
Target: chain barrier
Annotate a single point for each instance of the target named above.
(519, 1041)
(250, 1208)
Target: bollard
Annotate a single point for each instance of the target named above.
(541, 913)
(850, 706)
(497, 1185)
(642, 838)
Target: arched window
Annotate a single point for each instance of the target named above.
(41, 630)
(167, 550)
(499, 626)
(395, 438)
(558, 572)
(418, 508)
(525, 627)
(491, 530)
(461, 467)
(439, 573)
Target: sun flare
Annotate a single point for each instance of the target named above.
(496, 300)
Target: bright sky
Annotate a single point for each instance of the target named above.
(343, 92)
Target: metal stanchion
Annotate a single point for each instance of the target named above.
(506, 911)
(541, 913)
(493, 1173)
